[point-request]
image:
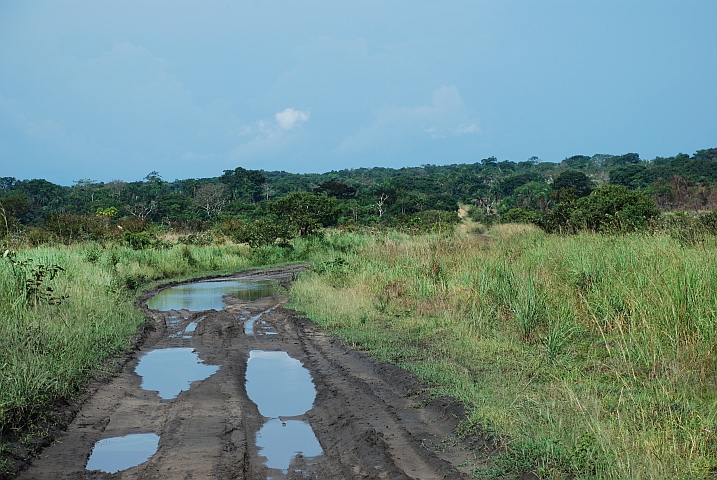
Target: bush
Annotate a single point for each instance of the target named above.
(614, 208)
(264, 231)
(68, 228)
(521, 215)
(609, 208)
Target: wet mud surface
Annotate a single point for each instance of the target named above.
(349, 416)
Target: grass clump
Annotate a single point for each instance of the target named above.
(587, 356)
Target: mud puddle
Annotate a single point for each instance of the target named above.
(169, 371)
(263, 327)
(281, 387)
(295, 404)
(120, 453)
(209, 295)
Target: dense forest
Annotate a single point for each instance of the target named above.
(582, 192)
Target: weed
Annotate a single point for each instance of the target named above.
(31, 279)
(558, 336)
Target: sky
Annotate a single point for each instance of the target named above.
(106, 90)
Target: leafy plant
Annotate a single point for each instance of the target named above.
(31, 279)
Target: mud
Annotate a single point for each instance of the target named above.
(370, 420)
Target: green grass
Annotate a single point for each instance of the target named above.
(587, 356)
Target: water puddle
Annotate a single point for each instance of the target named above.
(208, 295)
(120, 453)
(169, 371)
(281, 387)
(189, 330)
(174, 321)
(280, 441)
(249, 325)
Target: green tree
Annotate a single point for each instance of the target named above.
(305, 212)
(244, 184)
(336, 189)
(579, 183)
(11, 206)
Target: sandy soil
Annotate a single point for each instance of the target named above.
(372, 420)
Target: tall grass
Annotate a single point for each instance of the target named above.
(586, 356)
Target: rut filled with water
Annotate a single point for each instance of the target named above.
(169, 371)
(281, 388)
(208, 295)
(120, 453)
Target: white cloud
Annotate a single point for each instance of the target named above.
(289, 118)
(393, 127)
(268, 139)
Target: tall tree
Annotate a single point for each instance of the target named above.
(244, 184)
(305, 212)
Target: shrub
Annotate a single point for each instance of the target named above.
(609, 208)
(521, 215)
(264, 231)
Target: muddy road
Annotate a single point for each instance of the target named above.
(235, 393)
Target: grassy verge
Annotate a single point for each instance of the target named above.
(586, 356)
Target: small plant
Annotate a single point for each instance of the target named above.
(30, 279)
(558, 336)
(529, 310)
(187, 254)
(198, 238)
(93, 253)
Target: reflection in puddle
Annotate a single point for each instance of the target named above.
(281, 386)
(171, 370)
(278, 384)
(208, 295)
(120, 453)
(280, 443)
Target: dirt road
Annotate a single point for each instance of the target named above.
(370, 419)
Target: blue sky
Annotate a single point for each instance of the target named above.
(116, 89)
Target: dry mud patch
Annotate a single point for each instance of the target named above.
(372, 420)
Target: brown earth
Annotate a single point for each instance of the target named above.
(373, 420)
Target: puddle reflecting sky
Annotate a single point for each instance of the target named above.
(120, 453)
(171, 370)
(281, 386)
(280, 444)
(278, 384)
(208, 295)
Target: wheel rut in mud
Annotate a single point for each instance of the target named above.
(235, 393)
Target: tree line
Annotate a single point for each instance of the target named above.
(593, 192)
